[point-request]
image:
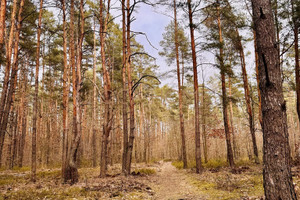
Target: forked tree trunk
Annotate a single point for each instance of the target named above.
(107, 126)
(224, 95)
(199, 167)
(278, 183)
(183, 147)
(71, 171)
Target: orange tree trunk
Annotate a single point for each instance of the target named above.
(196, 93)
(183, 147)
(224, 95)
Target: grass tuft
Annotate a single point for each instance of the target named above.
(145, 171)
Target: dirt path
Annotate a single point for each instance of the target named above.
(173, 184)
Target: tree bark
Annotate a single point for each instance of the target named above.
(235, 151)
(2, 22)
(131, 100)
(125, 115)
(66, 89)
(71, 171)
(7, 96)
(94, 110)
(297, 67)
(183, 147)
(278, 183)
(199, 167)
(257, 80)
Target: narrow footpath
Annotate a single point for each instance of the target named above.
(173, 184)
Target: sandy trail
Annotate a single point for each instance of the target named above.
(173, 184)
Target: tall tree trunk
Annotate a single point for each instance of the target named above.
(36, 94)
(204, 136)
(94, 110)
(184, 157)
(278, 183)
(235, 151)
(2, 22)
(224, 95)
(199, 167)
(297, 67)
(66, 90)
(131, 100)
(125, 115)
(71, 174)
(71, 171)
(6, 102)
(6, 74)
(107, 126)
(247, 96)
(23, 117)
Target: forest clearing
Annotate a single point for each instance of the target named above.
(149, 99)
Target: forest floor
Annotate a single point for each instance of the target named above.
(159, 181)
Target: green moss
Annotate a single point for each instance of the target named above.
(145, 171)
(178, 164)
(9, 179)
(224, 185)
(21, 169)
(244, 162)
(49, 174)
(215, 164)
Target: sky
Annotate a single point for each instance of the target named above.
(152, 22)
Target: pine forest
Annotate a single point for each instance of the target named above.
(149, 99)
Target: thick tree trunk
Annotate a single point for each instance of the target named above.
(183, 147)
(71, 171)
(224, 95)
(278, 183)
(196, 92)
